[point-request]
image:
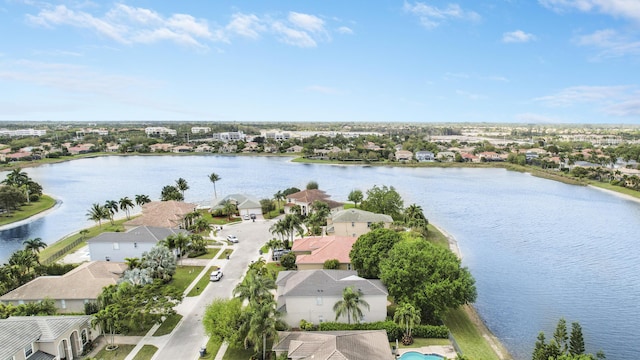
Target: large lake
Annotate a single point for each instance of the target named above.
(538, 249)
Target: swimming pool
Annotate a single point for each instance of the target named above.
(413, 355)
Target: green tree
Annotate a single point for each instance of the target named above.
(160, 261)
(170, 192)
(331, 264)
(407, 316)
(350, 305)
(181, 184)
(213, 177)
(370, 248)
(312, 185)
(384, 200)
(288, 261)
(317, 217)
(356, 196)
(126, 204)
(279, 196)
(142, 199)
(254, 288)
(11, 198)
(222, 320)
(560, 335)
(112, 208)
(98, 213)
(430, 277)
(576, 342)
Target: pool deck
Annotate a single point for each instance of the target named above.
(446, 351)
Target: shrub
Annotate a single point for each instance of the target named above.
(393, 330)
(331, 264)
(91, 308)
(431, 331)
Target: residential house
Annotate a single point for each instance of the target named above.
(333, 345)
(311, 252)
(425, 156)
(251, 146)
(71, 290)
(311, 294)
(295, 149)
(162, 147)
(44, 337)
(403, 155)
(167, 214)
(80, 149)
(305, 199)
(355, 222)
(270, 148)
(447, 156)
(204, 148)
(228, 148)
(469, 157)
(159, 131)
(246, 204)
(490, 156)
(200, 129)
(117, 246)
(182, 149)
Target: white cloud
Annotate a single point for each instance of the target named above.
(618, 8)
(291, 36)
(431, 16)
(581, 94)
(247, 25)
(345, 30)
(517, 36)
(611, 43)
(629, 107)
(307, 22)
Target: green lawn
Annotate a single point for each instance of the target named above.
(168, 325)
(275, 266)
(211, 253)
(436, 237)
(225, 253)
(28, 210)
(239, 354)
(118, 354)
(468, 336)
(146, 353)
(212, 349)
(184, 276)
(202, 283)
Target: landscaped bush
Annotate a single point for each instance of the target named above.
(393, 330)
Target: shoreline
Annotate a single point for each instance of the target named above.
(498, 348)
(33, 217)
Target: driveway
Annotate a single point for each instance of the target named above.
(187, 338)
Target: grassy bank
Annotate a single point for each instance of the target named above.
(28, 210)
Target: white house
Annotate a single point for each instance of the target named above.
(305, 199)
(116, 246)
(311, 295)
(355, 222)
(425, 156)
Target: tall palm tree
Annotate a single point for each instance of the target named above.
(16, 178)
(126, 204)
(350, 305)
(407, 316)
(278, 197)
(182, 185)
(229, 208)
(112, 209)
(142, 199)
(24, 261)
(255, 288)
(213, 177)
(97, 213)
(263, 321)
(34, 245)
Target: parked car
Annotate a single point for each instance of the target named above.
(278, 253)
(253, 216)
(216, 275)
(246, 217)
(232, 238)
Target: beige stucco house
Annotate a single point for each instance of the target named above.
(44, 337)
(167, 214)
(311, 295)
(305, 199)
(311, 252)
(71, 290)
(355, 222)
(334, 345)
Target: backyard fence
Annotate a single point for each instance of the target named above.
(60, 253)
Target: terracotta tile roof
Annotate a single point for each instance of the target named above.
(323, 249)
(309, 196)
(168, 214)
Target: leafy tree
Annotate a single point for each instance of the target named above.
(331, 264)
(213, 177)
(275, 244)
(200, 225)
(407, 316)
(312, 185)
(170, 192)
(266, 205)
(289, 191)
(384, 200)
(160, 261)
(23, 262)
(557, 348)
(126, 204)
(287, 228)
(318, 217)
(229, 208)
(263, 322)
(11, 198)
(370, 249)
(356, 196)
(415, 219)
(222, 320)
(350, 305)
(288, 261)
(431, 277)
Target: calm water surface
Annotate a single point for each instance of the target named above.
(538, 249)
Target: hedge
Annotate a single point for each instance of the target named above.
(393, 330)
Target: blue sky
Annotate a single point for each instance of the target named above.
(513, 61)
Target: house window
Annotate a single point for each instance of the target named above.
(348, 266)
(319, 300)
(84, 336)
(63, 303)
(116, 246)
(28, 350)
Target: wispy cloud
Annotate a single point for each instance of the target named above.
(432, 16)
(323, 89)
(129, 25)
(611, 43)
(618, 8)
(621, 100)
(470, 96)
(517, 36)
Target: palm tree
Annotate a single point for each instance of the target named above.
(278, 197)
(200, 225)
(142, 199)
(112, 209)
(255, 288)
(182, 185)
(34, 245)
(213, 177)
(98, 213)
(16, 178)
(106, 319)
(229, 208)
(350, 305)
(263, 322)
(407, 316)
(137, 276)
(23, 261)
(125, 205)
(83, 233)
(132, 263)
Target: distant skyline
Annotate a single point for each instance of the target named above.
(501, 61)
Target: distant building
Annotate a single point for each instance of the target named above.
(159, 131)
(22, 132)
(200, 130)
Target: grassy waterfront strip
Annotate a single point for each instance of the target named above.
(28, 210)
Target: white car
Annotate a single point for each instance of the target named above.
(216, 275)
(232, 238)
(246, 217)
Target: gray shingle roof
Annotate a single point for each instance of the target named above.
(19, 331)
(138, 234)
(357, 215)
(327, 282)
(242, 202)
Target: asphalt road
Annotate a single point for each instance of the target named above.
(189, 335)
